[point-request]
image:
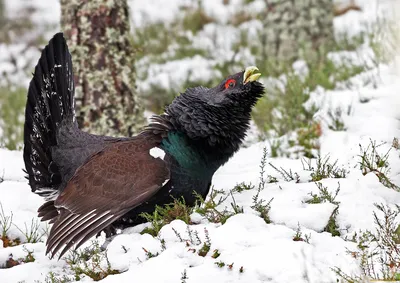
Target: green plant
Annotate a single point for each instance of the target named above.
(373, 161)
(332, 227)
(242, 187)
(184, 276)
(5, 222)
(208, 208)
(29, 256)
(11, 262)
(395, 143)
(275, 146)
(324, 169)
(12, 103)
(195, 19)
(32, 233)
(5, 225)
(336, 119)
(377, 252)
(307, 140)
(345, 41)
(149, 254)
(384, 50)
(55, 278)
(236, 208)
(216, 254)
(193, 236)
(288, 176)
(163, 215)
(282, 110)
(89, 262)
(259, 205)
(272, 179)
(203, 251)
(298, 237)
(222, 264)
(263, 163)
(324, 195)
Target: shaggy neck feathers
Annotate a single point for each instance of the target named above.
(216, 128)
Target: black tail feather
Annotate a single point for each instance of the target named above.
(50, 102)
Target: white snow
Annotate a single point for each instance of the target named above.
(173, 74)
(157, 152)
(266, 252)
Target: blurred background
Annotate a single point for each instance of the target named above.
(131, 58)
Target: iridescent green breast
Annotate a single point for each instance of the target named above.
(190, 156)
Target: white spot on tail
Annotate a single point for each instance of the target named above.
(157, 152)
(166, 181)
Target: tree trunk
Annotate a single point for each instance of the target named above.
(294, 26)
(2, 13)
(98, 35)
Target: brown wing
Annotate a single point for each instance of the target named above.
(107, 186)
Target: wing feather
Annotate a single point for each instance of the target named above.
(108, 185)
(68, 227)
(89, 232)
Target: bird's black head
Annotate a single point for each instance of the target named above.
(219, 116)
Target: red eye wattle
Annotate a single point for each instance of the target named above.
(230, 83)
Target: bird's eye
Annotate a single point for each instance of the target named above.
(230, 83)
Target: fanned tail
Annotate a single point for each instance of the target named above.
(50, 104)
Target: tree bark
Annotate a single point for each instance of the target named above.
(98, 35)
(293, 26)
(2, 13)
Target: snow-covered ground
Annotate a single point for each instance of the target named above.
(266, 252)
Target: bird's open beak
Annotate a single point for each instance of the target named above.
(251, 74)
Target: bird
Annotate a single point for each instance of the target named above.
(91, 182)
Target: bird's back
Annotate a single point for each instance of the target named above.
(74, 147)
